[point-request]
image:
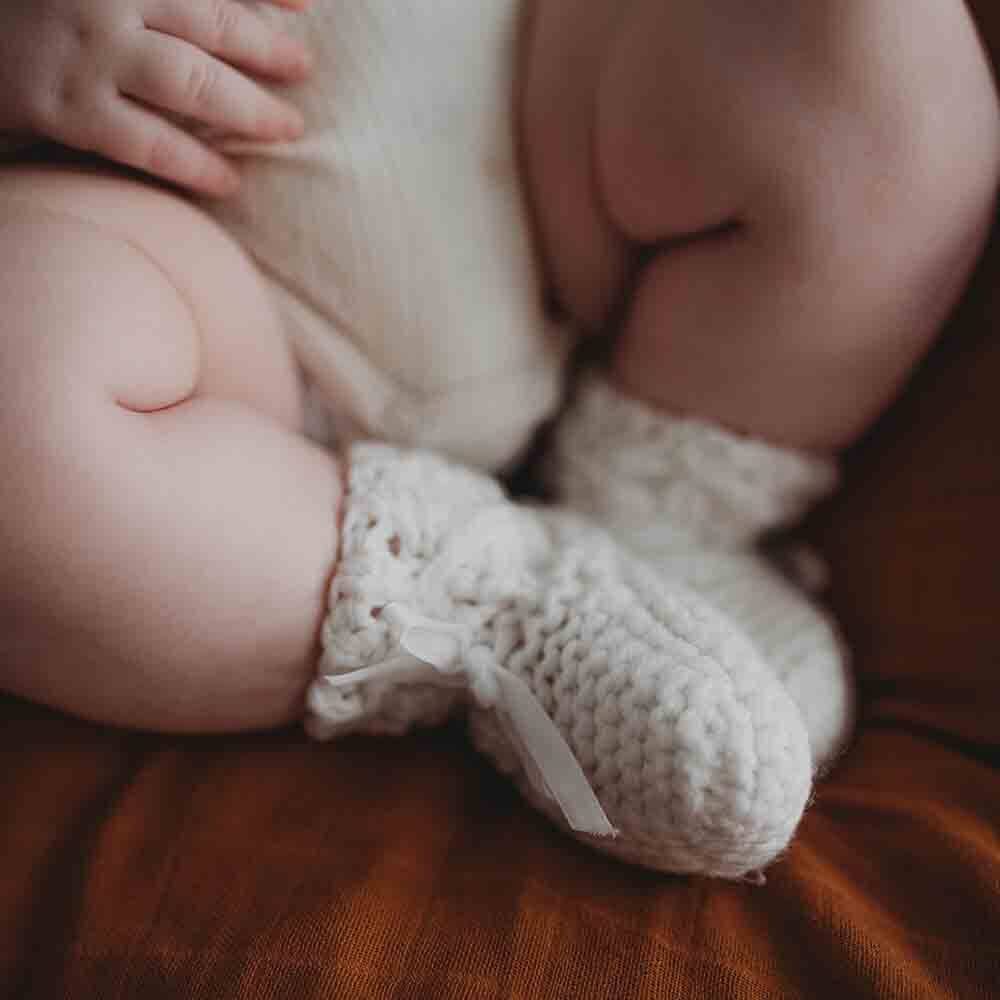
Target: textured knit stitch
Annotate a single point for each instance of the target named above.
(661, 482)
(689, 741)
(395, 527)
(692, 499)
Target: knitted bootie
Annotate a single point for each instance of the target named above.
(693, 500)
(624, 705)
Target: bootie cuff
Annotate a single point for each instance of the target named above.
(659, 481)
(398, 509)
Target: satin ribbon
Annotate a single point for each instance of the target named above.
(442, 654)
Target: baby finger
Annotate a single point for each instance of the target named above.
(133, 135)
(232, 33)
(180, 78)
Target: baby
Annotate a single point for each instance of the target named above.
(769, 207)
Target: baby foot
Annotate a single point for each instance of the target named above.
(624, 706)
(693, 499)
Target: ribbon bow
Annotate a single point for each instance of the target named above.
(439, 653)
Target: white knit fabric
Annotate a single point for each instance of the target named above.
(688, 740)
(663, 482)
(692, 499)
(397, 540)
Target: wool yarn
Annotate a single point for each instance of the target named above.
(652, 700)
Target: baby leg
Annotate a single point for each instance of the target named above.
(802, 198)
(783, 200)
(166, 534)
(808, 211)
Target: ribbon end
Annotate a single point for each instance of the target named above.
(598, 825)
(610, 833)
(549, 761)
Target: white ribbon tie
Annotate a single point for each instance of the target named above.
(439, 653)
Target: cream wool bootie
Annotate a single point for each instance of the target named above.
(624, 705)
(693, 500)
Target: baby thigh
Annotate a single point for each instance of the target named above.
(808, 190)
(165, 532)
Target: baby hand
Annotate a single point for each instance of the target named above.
(117, 77)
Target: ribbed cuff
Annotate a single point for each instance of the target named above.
(658, 481)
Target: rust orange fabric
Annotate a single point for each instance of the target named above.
(138, 866)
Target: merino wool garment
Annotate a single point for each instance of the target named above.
(394, 233)
(662, 694)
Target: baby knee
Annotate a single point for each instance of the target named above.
(894, 173)
(82, 311)
(817, 124)
(91, 331)
(89, 315)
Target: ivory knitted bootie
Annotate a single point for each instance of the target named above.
(693, 500)
(624, 705)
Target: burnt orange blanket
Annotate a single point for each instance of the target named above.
(147, 867)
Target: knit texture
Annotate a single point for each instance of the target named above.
(661, 482)
(693, 499)
(398, 543)
(688, 740)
